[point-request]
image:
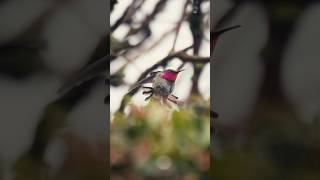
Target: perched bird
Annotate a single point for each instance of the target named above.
(162, 85)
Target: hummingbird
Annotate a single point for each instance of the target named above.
(163, 83)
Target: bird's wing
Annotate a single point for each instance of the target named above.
(148, 79)
(96, 69)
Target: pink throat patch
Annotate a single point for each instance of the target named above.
(169, 76)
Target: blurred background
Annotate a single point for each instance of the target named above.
(266, 90)
(44, 134)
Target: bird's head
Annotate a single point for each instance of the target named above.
(170, 75)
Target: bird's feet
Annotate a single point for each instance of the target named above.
(148, 91)
(173, 98)
(149, 88)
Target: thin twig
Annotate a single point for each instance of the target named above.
(177, 29)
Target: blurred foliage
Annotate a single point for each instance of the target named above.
(157, 142)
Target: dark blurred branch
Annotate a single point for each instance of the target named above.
(149, 18)
(192, 59)
(112, 3)
(54, 118)
(21, 56)
(127, 15)
(177, 28)
(157, 43)
(280, 32)
(196, 26)
(196, 6)
(144, 29)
